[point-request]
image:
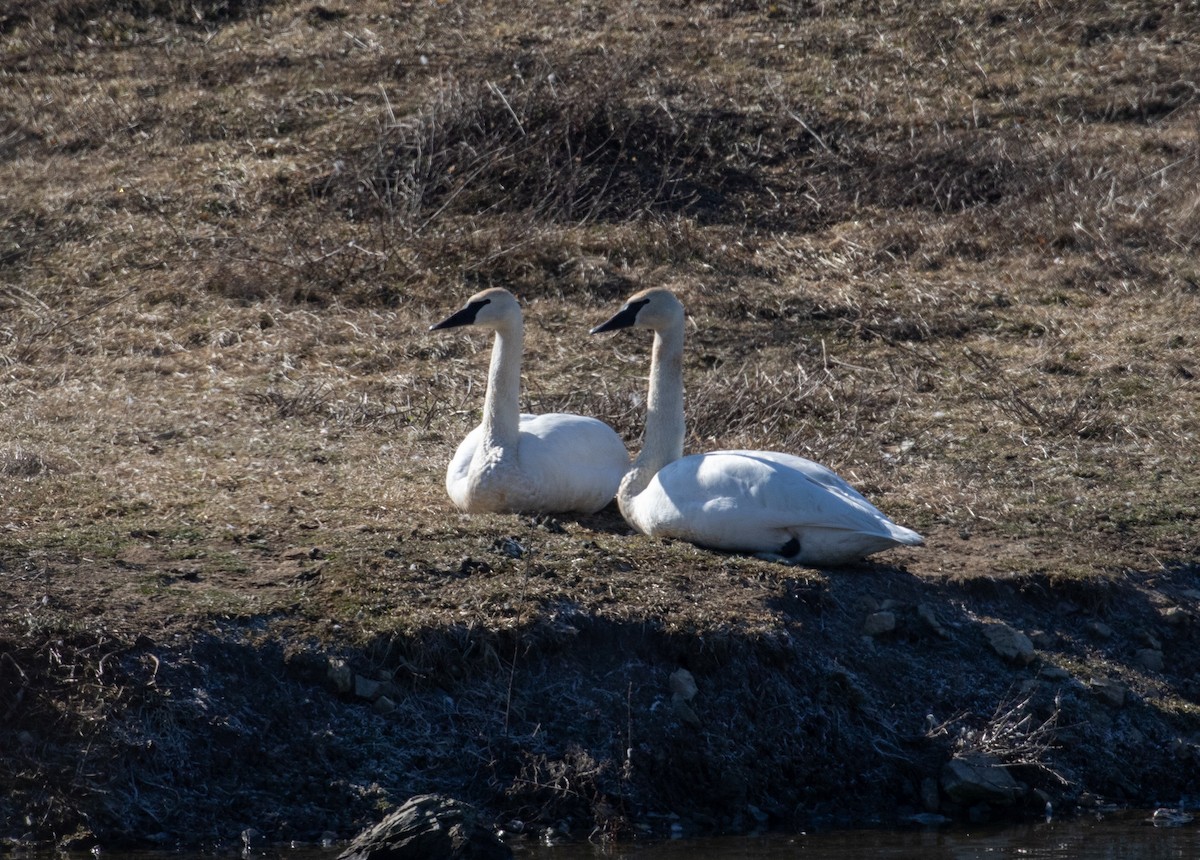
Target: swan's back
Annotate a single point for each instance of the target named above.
(764, 502)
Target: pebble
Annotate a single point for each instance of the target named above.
(878, 623)
(1150, 659)
(1101, 629)
(1110, 692)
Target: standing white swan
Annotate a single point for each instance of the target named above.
(776, 505)
(510, 463)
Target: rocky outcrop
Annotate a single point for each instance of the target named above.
(429, 827)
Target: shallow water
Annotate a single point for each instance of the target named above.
(1121, 836)
(1117, 837)
(1077, 841)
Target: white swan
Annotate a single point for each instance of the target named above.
(510, 463)
(776, 505)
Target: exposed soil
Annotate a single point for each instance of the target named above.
(948, 250)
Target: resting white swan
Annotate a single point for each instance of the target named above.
(552, 463)
(776, 505)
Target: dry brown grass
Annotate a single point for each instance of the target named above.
(951, 254)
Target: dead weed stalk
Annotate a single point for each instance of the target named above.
(1086, 415)
(1013, 734)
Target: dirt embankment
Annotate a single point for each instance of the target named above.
(577, 723)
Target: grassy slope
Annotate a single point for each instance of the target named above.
(951, 255)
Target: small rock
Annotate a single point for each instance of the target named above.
(425, 826)
(1110, 692)
(1101, 629)
(367, 688)
(1150, 640)
(848, 683)
(340, 674)
(979, 779)
(1167, 817)
(685, 714)
(925, 613)
(1149, 659)
(1042, 639)
(1055, 673)
(1176, 616)
(867, 604)
(682, 684)
(384, 705)
(512, 548)
(878, 623)
(1183, 750)
(1009, 643)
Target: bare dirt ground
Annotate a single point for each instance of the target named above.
(949, 250)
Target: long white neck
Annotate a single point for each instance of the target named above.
(501, 407)
(662, 441)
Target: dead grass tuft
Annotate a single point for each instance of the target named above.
(70, 16)
(67, 683)
(571, 140)
(22, 464)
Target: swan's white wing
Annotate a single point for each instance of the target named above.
(572, 462)
(760, 501)
(799, 491)
(814, 471)
(562, 463)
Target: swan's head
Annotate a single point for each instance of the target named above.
(494, 308)
(656, 309)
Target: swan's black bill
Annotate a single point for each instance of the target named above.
(466, 316)
(624, 318)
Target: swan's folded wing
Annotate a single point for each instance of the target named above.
(784, 491)
(574, 462)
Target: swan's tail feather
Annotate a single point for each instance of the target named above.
(905, 536)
